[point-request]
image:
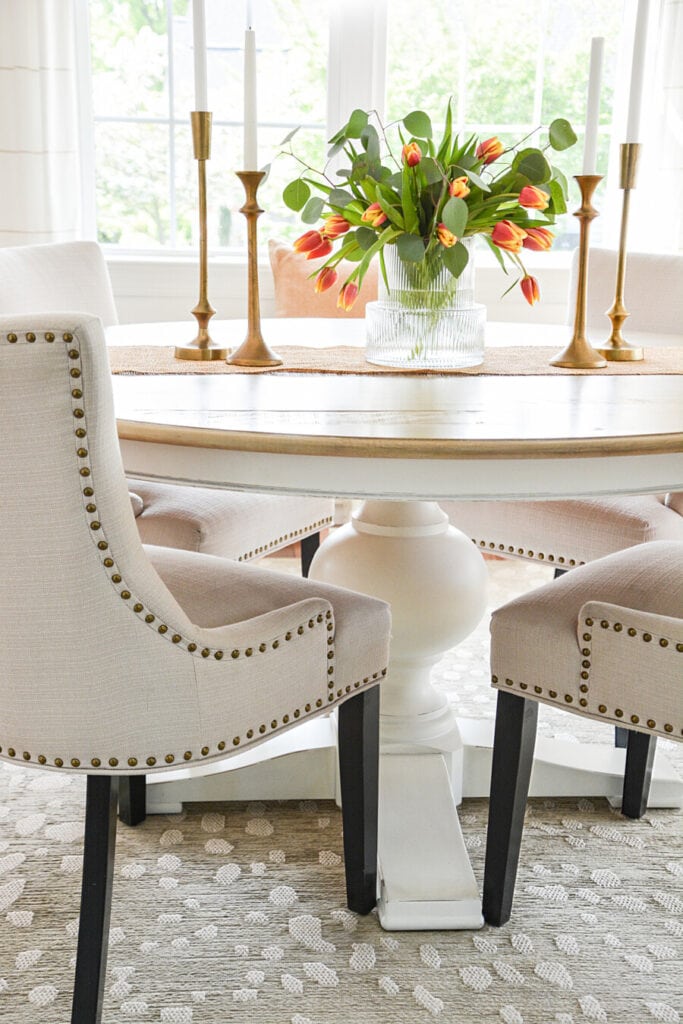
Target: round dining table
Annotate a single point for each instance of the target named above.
(400, 442)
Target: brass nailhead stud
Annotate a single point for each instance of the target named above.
(589, 622)
(43, 760)
(553, 693)
(602, 709)
(530, 554)
(587, 636)
(82, 452)
(11, 338)
(30, 336)
(307, 707)
(605, 624)
(169, 759)
(585, 675)
(572, 561)
(494, 679)
(318, 703)
(125, 594)
(679, 648)
(221, 745)
(585, 664)
(300, 630)
(541, 555)
(73, 353)
(583, 688)
(285, 719)
(79, 414)
(151, 761)
(218, 655)
(261, 729)
(205, 751)
(176, 638)
(651, 723)
(205, 652)
(618, 627)
(49, 336)
(81, 432)
(522, 686)
(330, 654)
(330, 696)
(187, 756)
(663, 642)
(26, 756)
(192, 647)
(95, 525)
(311, 623)
(149, 617)
(96, 762)
(538, 689)
(668, 728)
(58, 762)
(568, 697)
(138, 607)
(288, 636)
(383, 672)
(11, 751)
(561, 559)
(88, 492)
(635, 719)
(235, 654)
(585, 651)
(273, 724)
(84, 471)
(276, 644)
(75, 763)
(67, 337)
(162, 628)
(647, 637)
(508, 682)
(75, 372)
(261, 648)
(132, 762)
(90, 507)
(102, 545)
(249, 651)
(297, 713)
(115, 577)
(250, 733)
(330, 670)
(631, 631)
(618, 712)
(583, 702)
(236, 741)
(113, 762)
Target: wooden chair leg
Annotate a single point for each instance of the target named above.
(359, 771)
(640, 753)
(98, 872)
(132, 799)
(513, 754)
(309, 546)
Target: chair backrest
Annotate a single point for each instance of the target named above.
(653, 292)
(82, 666)
(61, 278)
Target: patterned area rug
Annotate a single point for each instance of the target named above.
(235, 912)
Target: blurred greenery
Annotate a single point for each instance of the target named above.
(509, 68)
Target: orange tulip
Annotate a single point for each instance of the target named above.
(459, 187)
(335, 226)
(538, 239)
(530, 289)
(411, 153)
(347, 296)
(507, 235)
(325, 279)
(324, 249)
(446, 237)
(310, 240)
(533, 198)
(374, 215)
(490, 150)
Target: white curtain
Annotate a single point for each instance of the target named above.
(40, 167)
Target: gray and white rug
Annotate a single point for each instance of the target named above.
(235, 912)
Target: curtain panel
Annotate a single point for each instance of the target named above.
(40, 176)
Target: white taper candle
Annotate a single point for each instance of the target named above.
(250, 138)
(590, 148)
(201, 97)
(637, 71)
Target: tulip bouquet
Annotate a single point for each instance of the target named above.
(424, 197)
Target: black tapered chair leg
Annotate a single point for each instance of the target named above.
(513, 755)
(98, 872)
(359, 772)
(309, 546)
(640, 753)
(559, 572)
(621, 736)
(132, 799)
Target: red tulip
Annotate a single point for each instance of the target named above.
(347, 296)
(533, 198)
(411, 153)
(374, 215)
(459, 188)
(325, 279)
(307, 242)
(490, 150)
(538, 239)
(335, 226)
(507, 235)
(324, 249)
(530, 289)
(446, 237)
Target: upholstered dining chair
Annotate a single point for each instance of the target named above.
(565, 534)
(73, 276)
(605, 642)
(118, 660)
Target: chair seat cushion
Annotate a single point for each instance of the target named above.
(565, 533)
(231, 524)
(541, 647)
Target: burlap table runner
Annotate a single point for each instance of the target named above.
(522, 360)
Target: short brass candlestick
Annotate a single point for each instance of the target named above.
(202, 347)
(617, 348)
(253, 351)
(579, 353)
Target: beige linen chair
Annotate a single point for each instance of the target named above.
(605, 642)
(569, 533)
(117, 660)
(72, 276)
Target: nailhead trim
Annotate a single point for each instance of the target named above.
(286, 539)
(162, 629)
(539, 556)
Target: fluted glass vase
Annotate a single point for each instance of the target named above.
(427, 319)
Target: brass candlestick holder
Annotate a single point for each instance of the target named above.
(202, 347)
(617, 349)
(579, 353)
(253, 351)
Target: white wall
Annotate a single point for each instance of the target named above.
(148, 290)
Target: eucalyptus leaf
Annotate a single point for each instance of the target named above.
(312, 210)
(533, 165)
(290, 135)
(473, 178)
(557, 196)
(333, 150)
(370, 141)
(431, 170)
(410, 248)
(561, 134)
(455, 259)
(560, 178)
(357, 124)
(418, 124)
(454, 216)
(365, 237)
(339, 197)
(296, 195)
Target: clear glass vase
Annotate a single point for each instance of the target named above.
(427, 319)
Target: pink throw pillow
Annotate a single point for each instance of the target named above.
(294, 291)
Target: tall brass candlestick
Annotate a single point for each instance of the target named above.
(253, 351)
(202, 347)
(617, 349)
(579, 353)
